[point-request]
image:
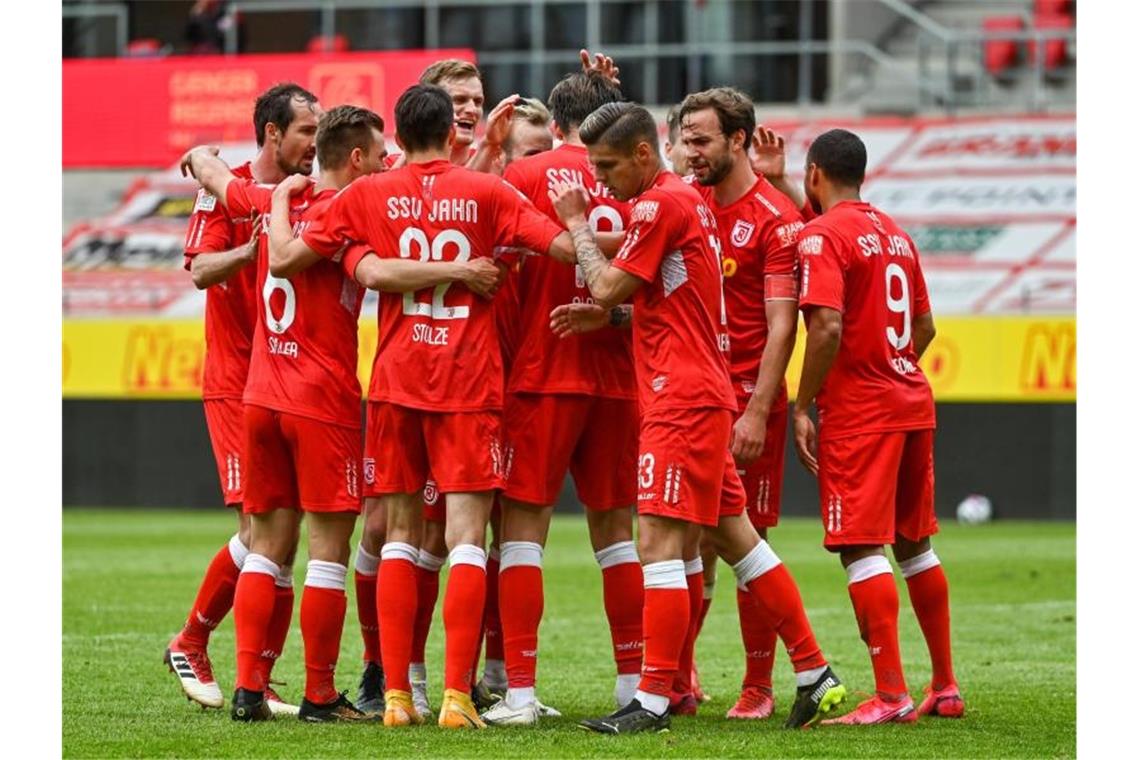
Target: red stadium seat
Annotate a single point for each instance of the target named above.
(999, 54)
(338, 43)
(146, 47)
(1056, 50)
(1052, 7)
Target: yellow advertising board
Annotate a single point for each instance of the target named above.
(995, 359)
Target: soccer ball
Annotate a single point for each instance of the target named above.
(975, 509)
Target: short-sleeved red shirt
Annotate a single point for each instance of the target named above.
(437, 349)
(758, 238)
(304, 344)
(231, 306)
(680, 332)
(599, 363)
(856, 260)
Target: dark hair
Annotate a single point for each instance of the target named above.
(343, 129)
(275, 105)
(734, 110)
(841, 155)
(424, 116)
(620, 125)
(578, 95)
(673, 123)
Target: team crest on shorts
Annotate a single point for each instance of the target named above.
(742, 233)
(431, 493)
(369, 470)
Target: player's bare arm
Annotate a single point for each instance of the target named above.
(608, 285)
(824, 329)
(922, 328)
(578, 318)
(287, 254)
(748, 431)
(498, 127)
(769, 159)
(481, 275)
(208, 269)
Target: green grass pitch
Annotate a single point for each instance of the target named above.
(129, 577)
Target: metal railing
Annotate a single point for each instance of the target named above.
(118, 12)
(967, 46)
(946, 58)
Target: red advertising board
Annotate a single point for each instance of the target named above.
(125, 112)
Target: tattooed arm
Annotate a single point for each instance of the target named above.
(608, 285)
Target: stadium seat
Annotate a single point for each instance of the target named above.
(1056, 50)
(1052, 7)
(1000, 55)
(337, 43)
(145, 47)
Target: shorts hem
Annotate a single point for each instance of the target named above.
(710, 522)
(528, 499)
(603, 505)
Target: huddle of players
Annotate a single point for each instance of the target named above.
(551, 360)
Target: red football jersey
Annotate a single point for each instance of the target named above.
(855, 259)
(231, 306)
(680, 337)
(599, 363)
(758, 238)
(304, 344)
(437, 349)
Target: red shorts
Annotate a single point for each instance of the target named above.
(763, 479)
(684, 468)
(225, 421)
(461, 451)
(295, 462)
(595, 438)
(874, 486)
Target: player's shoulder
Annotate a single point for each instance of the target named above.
(770, 203)
(812, 235)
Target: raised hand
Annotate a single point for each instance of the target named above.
(570, 200)
(499, 121)
(768, 153)
(603, 64)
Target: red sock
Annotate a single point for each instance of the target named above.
(278, 629)
(254, 600)
(522, 585)
(492, 624)
(463, 615)
(665, 621)
(683, 681)
(427, 590)
(396, 598)
(322, 621)
(782, 609)
(215, 598)
(930, 597)
(623, 589)
(759, 643)
(366, 612)
(706, 603)
(876, 603)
